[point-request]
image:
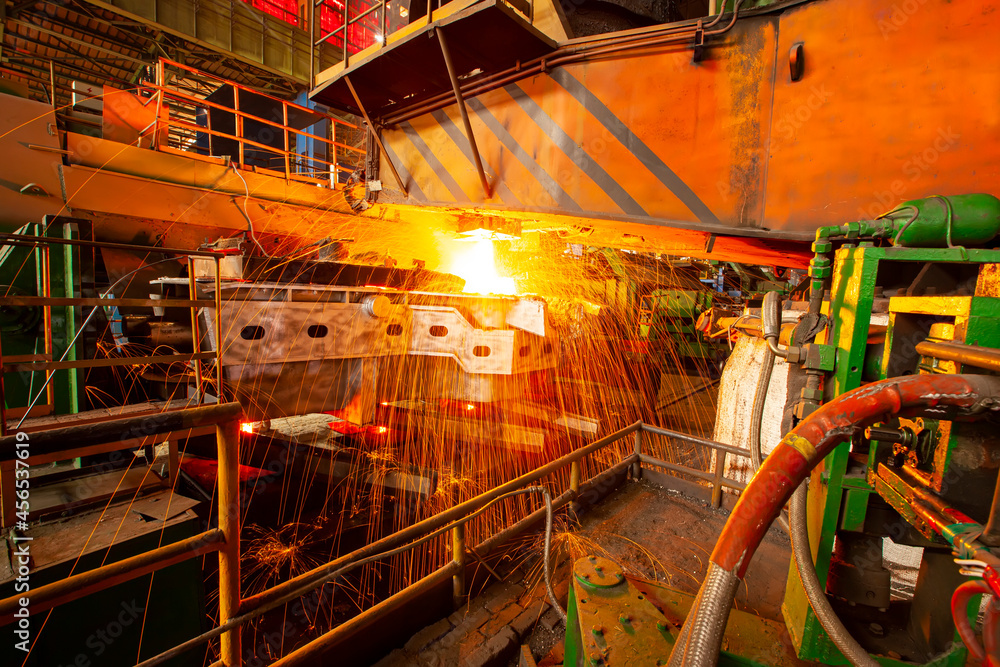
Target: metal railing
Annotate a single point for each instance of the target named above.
(236, 611)
(380, 23)
(185, 130)
(46, 361)
(119, 434)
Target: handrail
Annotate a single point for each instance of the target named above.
(182, 128)
(224, 539)
(318, 38)
(208, 75)
(49, 364)
(456, 517)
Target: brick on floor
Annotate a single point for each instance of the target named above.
(555, 656)
(495, 652)
(501, 617)
(500, 594)
(428, 635)
(526, 620)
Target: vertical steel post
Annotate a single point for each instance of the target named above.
(208, 126)
(8, 511)
(228, 436)
(218, 331)
(385, 23)
(195, 335)
(284, 131)
(155, 142)
(637, 466)
(574, 476)
(313, 39)
(332, 147)
(46, 270)
(458, 555)
(720, 468)
(239, 121)
(52, 81)
(346, 20)
(462, 110)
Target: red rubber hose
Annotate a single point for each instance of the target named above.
(987, 652)
(991, 630)
(939, 396)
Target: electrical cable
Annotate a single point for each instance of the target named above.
(825, 614)
(757, 417)
(250, 231)
(770, 327)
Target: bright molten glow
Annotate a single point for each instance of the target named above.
(475, 262)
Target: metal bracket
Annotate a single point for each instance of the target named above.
(699, 44)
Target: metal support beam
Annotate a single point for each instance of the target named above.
(228, 436)
(462, 110)
(378, 139)
(458, 555)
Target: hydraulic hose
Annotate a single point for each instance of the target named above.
(825, 614)
(987, 651)
(771, 327)
(757, 412)
(950, 397)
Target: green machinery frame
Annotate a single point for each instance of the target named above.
(840, 491)
(38, 333)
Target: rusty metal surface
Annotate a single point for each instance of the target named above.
(618, 624)
(290, 349)
(198, 171)
(731, 144)
(90, 532)
(24, 166)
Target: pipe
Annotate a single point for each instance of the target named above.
(87, 583)
(771, 322)
(771, 327)
(814, 591)
(84, 435)
(960, 614)
(231, 642)
(939, 396)
(757, 413)
(987, 358)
